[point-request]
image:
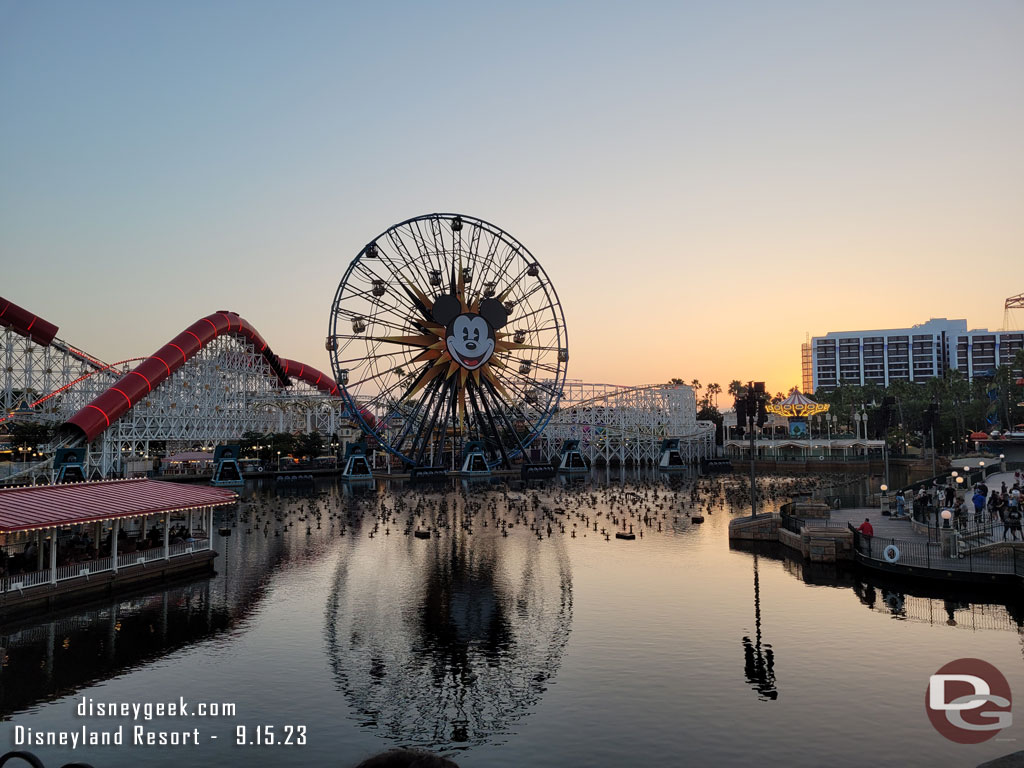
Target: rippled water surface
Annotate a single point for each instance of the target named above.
(514, 645)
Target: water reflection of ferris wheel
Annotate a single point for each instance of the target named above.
(450, 644)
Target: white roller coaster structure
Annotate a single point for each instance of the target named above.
(628, 424)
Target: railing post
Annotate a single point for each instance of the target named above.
(53, 556)
(113, 543)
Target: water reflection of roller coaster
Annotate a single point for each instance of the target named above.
(453, 656)
(626, 425)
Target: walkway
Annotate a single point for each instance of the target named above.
(900, 545)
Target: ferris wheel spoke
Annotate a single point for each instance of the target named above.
(382, 354)
(351, 315)
(420, 241)
(373, 308)
(373, 377)
(415, 274)
(489, 389)
(528, 315)
(412, 418)
(434, 409)
(404, 296)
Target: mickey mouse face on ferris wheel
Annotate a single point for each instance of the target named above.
(469, 336)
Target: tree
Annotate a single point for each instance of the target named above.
(708, 412)
(26, 435)
(714, 390)
(310, 444)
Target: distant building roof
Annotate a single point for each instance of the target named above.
(47, 506)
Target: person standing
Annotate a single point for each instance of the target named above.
(979, 506)
(901, 503)
(1012, 523)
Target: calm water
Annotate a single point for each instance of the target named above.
(512, 647)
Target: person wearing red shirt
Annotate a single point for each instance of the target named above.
(866, 528)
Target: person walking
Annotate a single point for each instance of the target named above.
(901, 503)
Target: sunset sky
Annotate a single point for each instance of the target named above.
(703, 182)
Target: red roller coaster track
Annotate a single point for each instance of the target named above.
(106, 409)
(117, 400)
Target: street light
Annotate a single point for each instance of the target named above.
(946, 514)
(885, 499)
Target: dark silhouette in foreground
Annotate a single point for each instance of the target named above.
(407, 758)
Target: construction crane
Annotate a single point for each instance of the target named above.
(1010, 323)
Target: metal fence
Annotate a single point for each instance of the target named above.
(797, 524)
(936, 555)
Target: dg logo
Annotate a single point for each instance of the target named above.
(968, 701)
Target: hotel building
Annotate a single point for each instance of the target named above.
(914, 354)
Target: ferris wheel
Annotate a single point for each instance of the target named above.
(446, 331)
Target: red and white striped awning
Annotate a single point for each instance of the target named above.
(48, 506)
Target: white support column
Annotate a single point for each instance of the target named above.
(167, 535)
(53, 557)
(209, 529)
(113, 543)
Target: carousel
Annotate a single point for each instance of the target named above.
(799, 446)
(797, 408)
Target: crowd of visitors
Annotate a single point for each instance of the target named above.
(982, 505)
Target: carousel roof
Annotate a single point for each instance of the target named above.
(797, 405)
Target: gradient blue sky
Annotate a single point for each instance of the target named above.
(704, 182)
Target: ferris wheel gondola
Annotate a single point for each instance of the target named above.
(445, 330)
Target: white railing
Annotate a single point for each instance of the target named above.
(22, 581)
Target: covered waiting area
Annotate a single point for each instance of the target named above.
(58, 535)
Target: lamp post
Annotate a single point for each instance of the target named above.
(751, 405)
(960, 485)
(1002, 462)
(885, 499)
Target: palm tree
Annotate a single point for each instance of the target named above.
(714, 390)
